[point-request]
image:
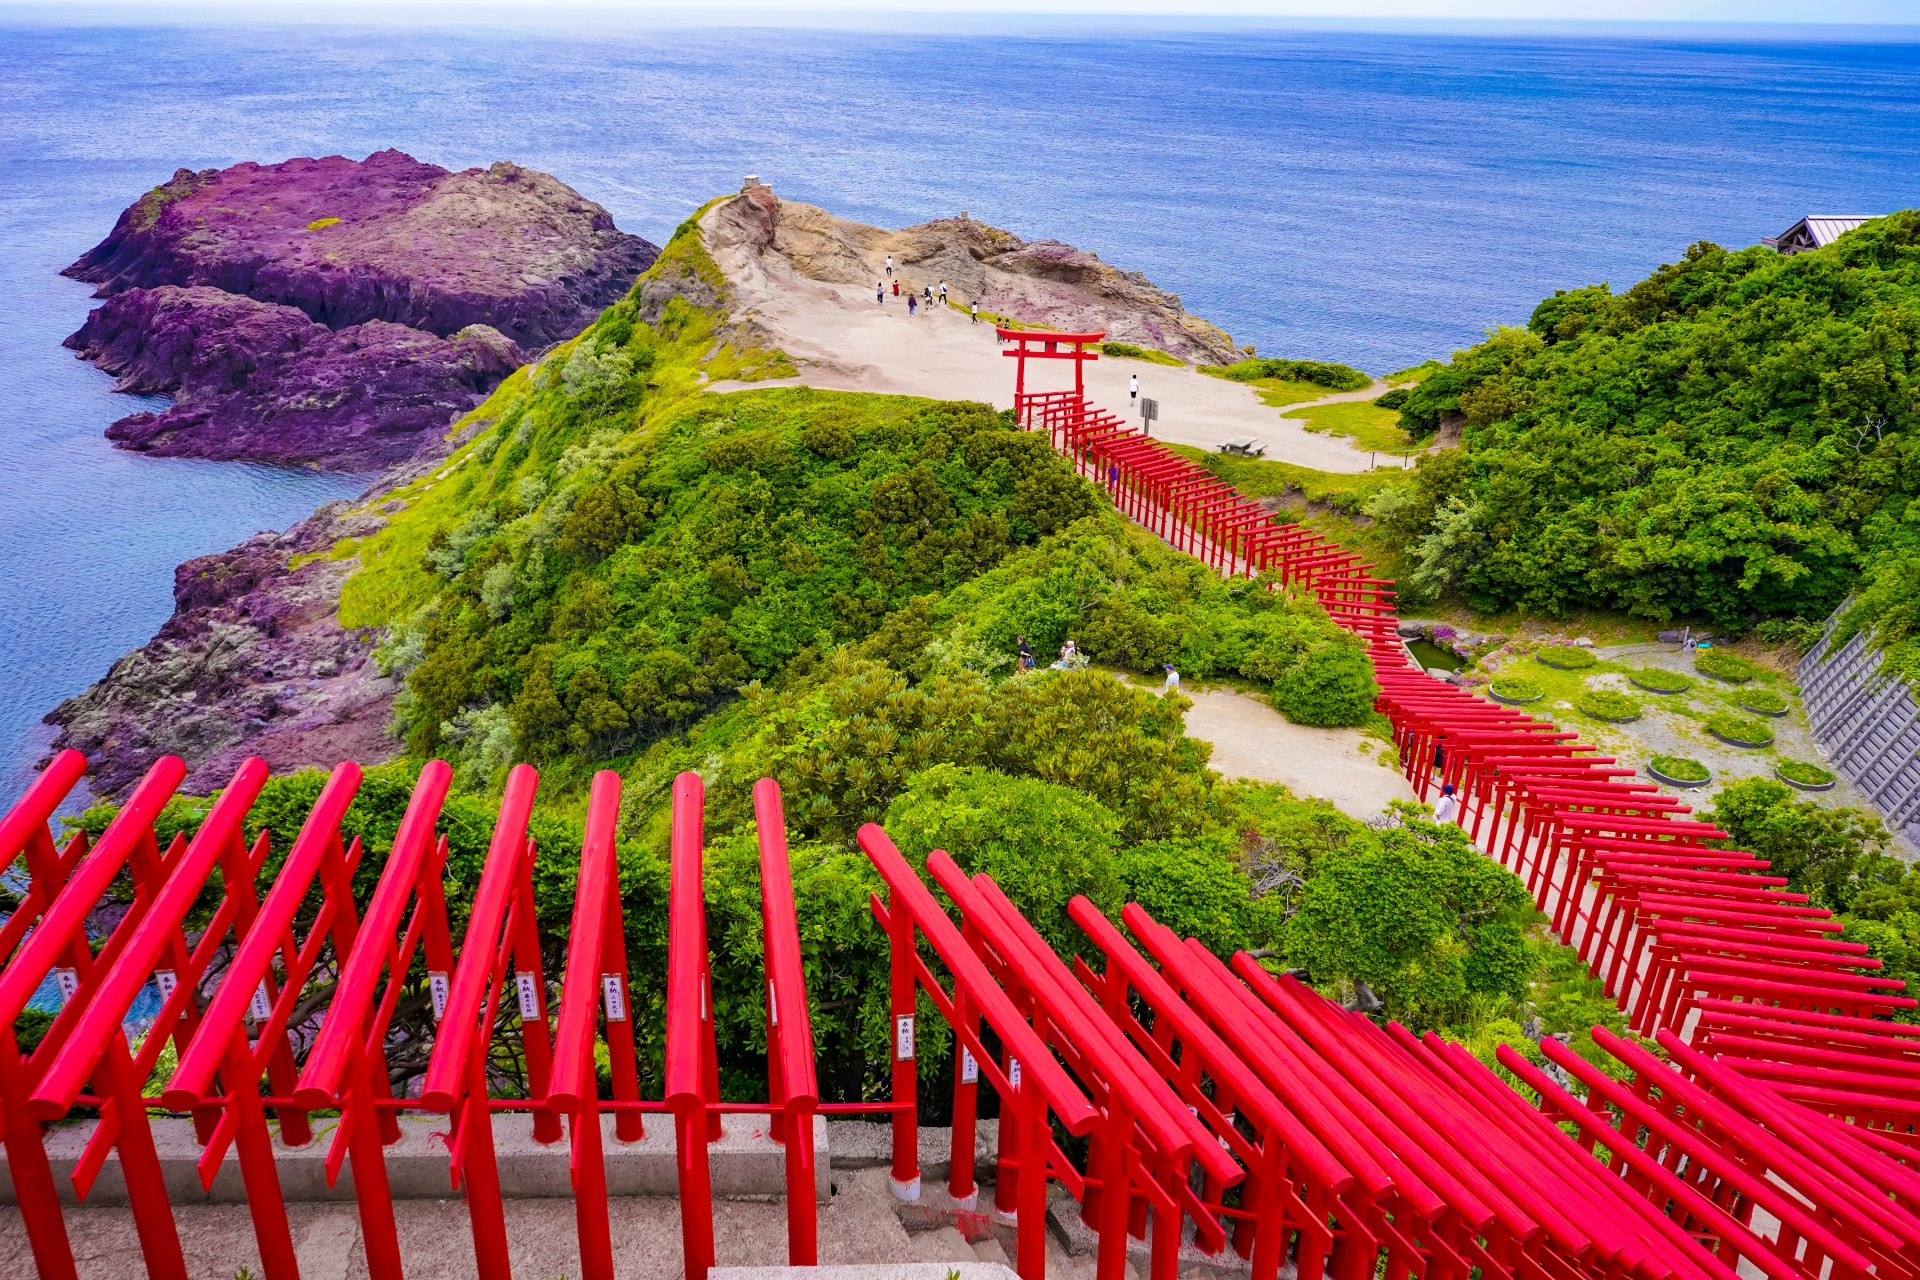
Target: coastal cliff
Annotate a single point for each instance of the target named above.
(253, 661)
(339, 313)
(260, 382)
(506, 527)
(1037, 282)
(385, 238)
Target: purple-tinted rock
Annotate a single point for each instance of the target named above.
(257, 381)
(385, 238)
(253, 661)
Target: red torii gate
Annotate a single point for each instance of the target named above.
(1050, 340)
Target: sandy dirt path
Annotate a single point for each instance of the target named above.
(845, 341)
(1252, 740)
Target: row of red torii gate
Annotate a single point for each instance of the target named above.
(1760, 1120)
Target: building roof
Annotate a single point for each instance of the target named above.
(1816, 231)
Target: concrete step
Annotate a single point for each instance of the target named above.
(894, 1271)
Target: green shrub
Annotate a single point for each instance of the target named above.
(1682, 768)
(1041, 842)
(1829, 853)
(1196, 888)
(1338, 377)
(1660, 680)
(1516, 689)
(1723, 666)
(1417, 914)
(1394, 399)
(1605, 704)
(1795, 632)
(1129, 351)
(1800, 771)
(1567, 657)
(1765, 701)
(1332, 685)
(30, 1028)
(1740, 729)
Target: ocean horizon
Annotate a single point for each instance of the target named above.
(1377, 197)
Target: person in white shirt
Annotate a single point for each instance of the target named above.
(1447, 808)
(943, 293)
(889, 266)
(1173, 680)
(1133, 388)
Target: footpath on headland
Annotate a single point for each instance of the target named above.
(843, 340)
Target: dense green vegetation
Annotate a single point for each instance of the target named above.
(1128, 351)
(1516, 689)
(1730, 439)
(1724, 666)
(1836, 856)
(1739, 730)
(1660, 680)
(1334, 377)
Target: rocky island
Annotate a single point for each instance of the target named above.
(339, 313)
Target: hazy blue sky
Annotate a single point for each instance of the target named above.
(1040, 12)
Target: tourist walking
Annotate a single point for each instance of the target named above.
(1133, 388)
(1445, 809)
(1173, 680)
(879, 291)
(1026, 653)
(889, 266)
(910, 301)
(928, 290)
(973, 312)
(896, 288)
(943, 293)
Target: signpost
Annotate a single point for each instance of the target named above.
(1149, 414)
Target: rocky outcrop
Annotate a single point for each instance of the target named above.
(335, 312)
(385, 238)
(1041, 282)
(253, 661)
(262, 382)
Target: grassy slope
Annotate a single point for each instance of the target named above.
(1368, 425)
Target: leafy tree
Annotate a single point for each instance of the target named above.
(1331, 684)
(1418, 914)
(1731, 437)
(1832, 854)
(1198, 888)
(1042, 843)
(1050, 500)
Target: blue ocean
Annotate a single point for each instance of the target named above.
(1370, 197)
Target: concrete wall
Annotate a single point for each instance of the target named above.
(1869, 723)
(744, 1162)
